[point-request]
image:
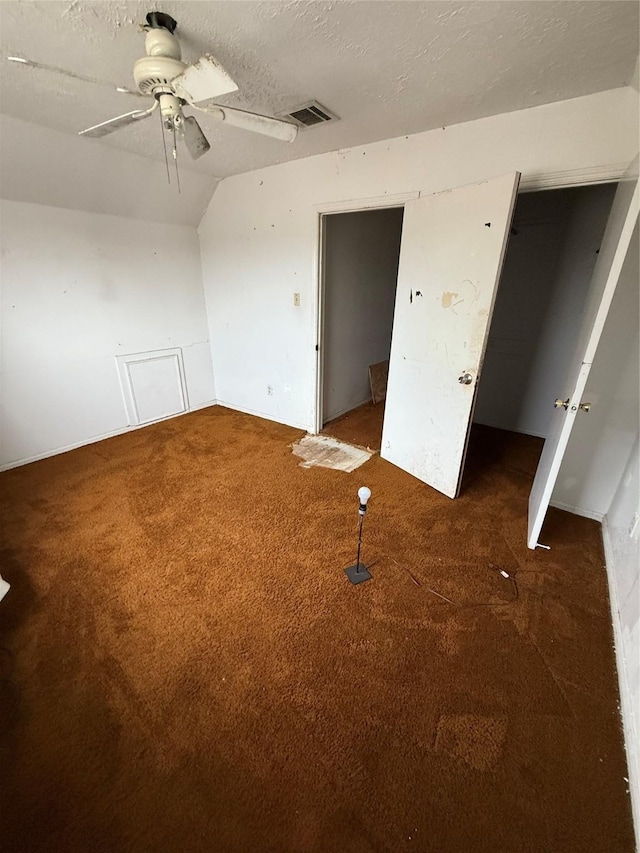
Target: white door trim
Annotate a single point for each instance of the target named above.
(607, 174)
(358, 204)
(321, 211)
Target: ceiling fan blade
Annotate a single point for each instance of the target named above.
(112, 124)
(195, 140)
(202, 81)
(254, 122)
(29, 63)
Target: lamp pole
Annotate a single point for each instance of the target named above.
(359, 572)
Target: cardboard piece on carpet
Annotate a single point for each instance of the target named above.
(378, 375)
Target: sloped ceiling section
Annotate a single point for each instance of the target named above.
(387, 69)
(43, 166)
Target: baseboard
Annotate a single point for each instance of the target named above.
(632, 745)
(339, 414)
(96, 438)
(245, 411)
(511, 429)
(578, 510)
(197, 408)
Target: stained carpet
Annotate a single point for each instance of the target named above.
(195, 673)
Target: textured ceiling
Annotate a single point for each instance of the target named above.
(386, 68)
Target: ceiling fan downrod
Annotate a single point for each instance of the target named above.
(161, 21)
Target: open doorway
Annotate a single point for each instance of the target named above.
(360, 262)
(537, 318)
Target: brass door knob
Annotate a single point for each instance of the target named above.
(563, 403)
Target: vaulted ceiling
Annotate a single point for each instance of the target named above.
(385, 68)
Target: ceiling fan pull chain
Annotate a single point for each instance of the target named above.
(164, 145)
(175, 154)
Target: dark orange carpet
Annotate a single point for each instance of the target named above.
(361, 426)
(195, 672)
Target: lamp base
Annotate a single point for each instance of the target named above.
(358, 573)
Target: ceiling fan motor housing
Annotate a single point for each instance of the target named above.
(161, 64)
(171, 83)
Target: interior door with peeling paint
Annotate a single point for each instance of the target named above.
(451, 256)
(623, 218)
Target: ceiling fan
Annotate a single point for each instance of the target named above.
(172, 84)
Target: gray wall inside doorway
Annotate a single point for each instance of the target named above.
(538, 312)
(360, 275)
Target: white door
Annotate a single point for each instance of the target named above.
(451, 255)
(615, 243)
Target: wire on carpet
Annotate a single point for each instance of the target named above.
(503, 572)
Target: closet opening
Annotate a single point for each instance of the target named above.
(360, 264)
(552, 250)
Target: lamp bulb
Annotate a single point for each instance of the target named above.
(363, 495)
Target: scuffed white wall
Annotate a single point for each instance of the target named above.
(622, 548)
(361, 271)
(79, 289)
(259, 237)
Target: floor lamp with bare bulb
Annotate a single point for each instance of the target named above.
(359, 572)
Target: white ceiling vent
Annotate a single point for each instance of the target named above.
(309, 114)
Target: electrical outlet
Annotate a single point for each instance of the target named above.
(296, 300)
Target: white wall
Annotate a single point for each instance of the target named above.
(79, 289)
(259, 237)
(361, 271)
(622, 549)
(538, 313)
